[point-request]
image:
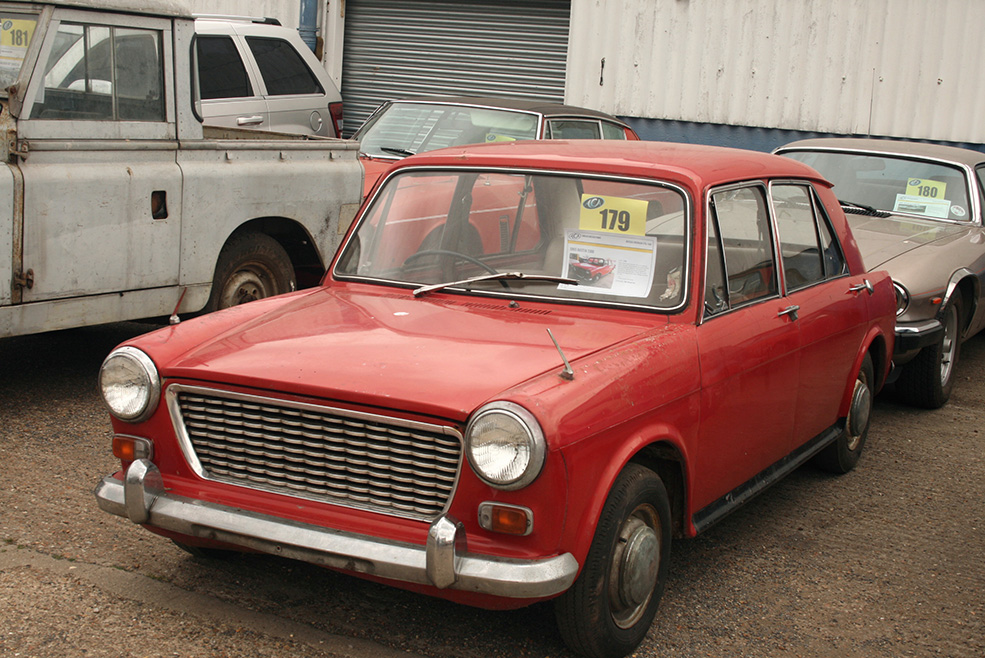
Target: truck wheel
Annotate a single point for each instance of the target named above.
(609, 609)
(927, 380)
(842, 455)
(251, 266)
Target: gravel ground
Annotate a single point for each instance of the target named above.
(886, 561)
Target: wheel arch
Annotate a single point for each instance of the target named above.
(309, 264)
(963, 282)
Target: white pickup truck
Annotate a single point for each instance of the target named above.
(116, 203)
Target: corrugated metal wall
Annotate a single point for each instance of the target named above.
(905, 68)
(401, 48)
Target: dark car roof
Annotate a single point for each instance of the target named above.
(890, 147)
(693, 165)
(546, 108)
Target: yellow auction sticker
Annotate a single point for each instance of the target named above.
(612, 214)
(16, 33)
(923, 187)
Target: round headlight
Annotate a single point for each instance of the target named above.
(130, 385)
(902, 298)
(505, 445)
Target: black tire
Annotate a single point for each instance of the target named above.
(842, 455)
(251, 266)
(609, 609)
(928, 379)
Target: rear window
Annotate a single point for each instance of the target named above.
(282, 68)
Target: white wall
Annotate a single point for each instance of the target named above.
(905, 68)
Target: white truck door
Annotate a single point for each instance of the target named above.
(102, 188)
(6, 236)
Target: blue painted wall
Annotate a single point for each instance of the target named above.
(756, 139)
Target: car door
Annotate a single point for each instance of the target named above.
(228, 96)
(830, 305)
(748, 345)
(102, 188)
(297, 102)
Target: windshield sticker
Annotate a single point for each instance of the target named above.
(958, 211)
(921, 205)
(493, 137)
(609, 264)
(15, 35)
(925, 188)
(612, 214)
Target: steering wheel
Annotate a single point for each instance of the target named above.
(455, 254)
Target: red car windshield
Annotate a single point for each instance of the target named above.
(575, 237)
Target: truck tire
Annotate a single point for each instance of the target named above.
(251, 266)
(607, 612)
(927, 380)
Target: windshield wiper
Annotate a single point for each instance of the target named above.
(862, 209)
(498, 276)
(395, 151)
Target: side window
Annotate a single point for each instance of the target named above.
(574, 129)
(103, 73)
(284, 72)
(612, 131)
(742, 237)
(808, 248)
(221, 72)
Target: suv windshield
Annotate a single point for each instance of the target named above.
(16, 31)
(910, 186)
(548, 235)
(406, 128)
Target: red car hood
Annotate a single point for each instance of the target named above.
(373, 169)
(882, 239)
(441, 356)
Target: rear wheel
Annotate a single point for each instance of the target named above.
(842, 455)
(927, 380)
(251, 266)
(608, 610)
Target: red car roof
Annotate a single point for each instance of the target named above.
(692, 165)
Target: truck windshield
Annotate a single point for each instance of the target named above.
(547, 235)
(16, 31)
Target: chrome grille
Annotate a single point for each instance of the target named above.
(373, 462)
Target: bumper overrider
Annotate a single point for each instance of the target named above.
(442, 563)
(911, 336)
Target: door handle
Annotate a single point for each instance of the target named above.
(249, 121)
(865, 285)
(790, 310)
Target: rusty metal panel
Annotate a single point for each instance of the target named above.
(903, 68)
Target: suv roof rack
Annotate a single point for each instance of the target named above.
(264, 20)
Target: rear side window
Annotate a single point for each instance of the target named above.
(284, 71)
(612, 131)
(221, 73)
(574, 129)
(809, 251)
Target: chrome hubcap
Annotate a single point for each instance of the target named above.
(858, 415)
(634, 567)
(949, 343)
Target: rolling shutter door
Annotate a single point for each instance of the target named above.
(403, 48)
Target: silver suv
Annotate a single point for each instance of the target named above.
(255, 73)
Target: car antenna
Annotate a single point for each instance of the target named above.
(174, 319)
(567, 373)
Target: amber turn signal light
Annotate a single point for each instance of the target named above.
(506, 519)
(132, 448)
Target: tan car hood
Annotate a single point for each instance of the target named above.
(883, 239)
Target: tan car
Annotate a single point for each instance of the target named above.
(915, 210)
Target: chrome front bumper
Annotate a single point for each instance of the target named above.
(442, 563)
(912, 336)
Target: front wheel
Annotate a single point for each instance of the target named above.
(251, 266)
(609, 609)
(842, 455)
(927, 380)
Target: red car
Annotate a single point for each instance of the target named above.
(452, 412)
(400, 128)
